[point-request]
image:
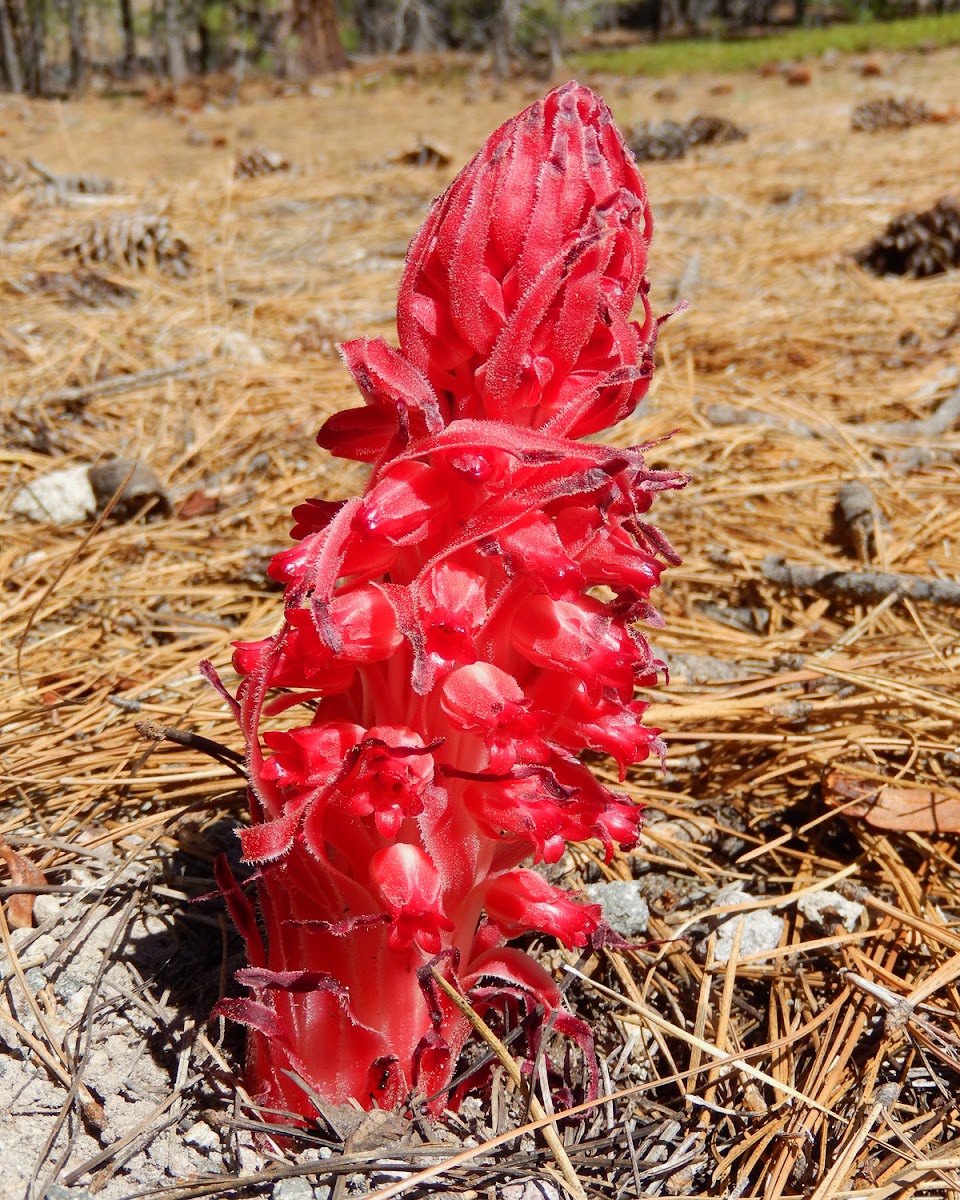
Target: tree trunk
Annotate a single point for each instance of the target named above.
(315, 24)
(555, 37)
(30, 54)
(76, 20)
(11, 57)
(129, 39)
(504, 37)
(176, 53)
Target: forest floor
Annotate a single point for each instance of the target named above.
(810, 1045)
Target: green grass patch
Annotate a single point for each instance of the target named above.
(690, 56)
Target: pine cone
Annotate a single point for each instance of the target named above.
(657, 142)
(258, 162)
(72, 185)
(706, 130)
(918, 244)
(889, 112)
(133, 240)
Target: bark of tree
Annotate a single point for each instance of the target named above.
(555, 37)
(38, 36)
(11, 55)
(315, 24)
(503, 40)
(76, 21)
(176, 52)
(129, 63)
(24, 30)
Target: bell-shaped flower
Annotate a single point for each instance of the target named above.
(519, 901)
(484, 698)
(409, 886)
(308, 758)
(555, 633)
(406, 500)
(453, 606)
(391, 768)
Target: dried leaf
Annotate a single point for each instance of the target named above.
(198, 503)
(887, 806)
(22, 872)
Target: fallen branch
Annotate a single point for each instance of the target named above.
(114, 385)
(941, 421)
(859, 585)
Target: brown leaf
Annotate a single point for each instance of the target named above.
(887, 806)
(198, 504)
(22, 872)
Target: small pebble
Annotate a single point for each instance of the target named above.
(529, 1189)
(295, 1188)
(35, 979)
(202, 1137)
(63, 497)
(46, 908)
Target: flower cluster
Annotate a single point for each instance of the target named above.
(457, 636)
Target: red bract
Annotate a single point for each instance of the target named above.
(457, 636)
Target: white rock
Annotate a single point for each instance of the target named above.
(830, 908)
(202, 1137)
(240, 348)
(45, 908)
(249, 1159)
(62, 497)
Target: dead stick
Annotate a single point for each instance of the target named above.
(940, 421)
(194, 741)
(859, 585)
(115, 385)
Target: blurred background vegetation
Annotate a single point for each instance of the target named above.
(63, 47)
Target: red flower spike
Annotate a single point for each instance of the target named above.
(413, 727)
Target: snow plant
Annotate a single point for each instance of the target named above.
(455, 638)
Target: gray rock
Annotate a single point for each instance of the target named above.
(35, 979)
(760, 929)
(529, 1189)
(624, 908)
(295, 1188)
(138, 487)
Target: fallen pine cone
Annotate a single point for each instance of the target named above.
(889, 112)
(133, 240)
(918, 244)
(259, 162)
